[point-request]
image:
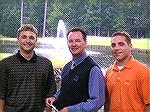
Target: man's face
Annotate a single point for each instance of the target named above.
(76, 43)
(121, 50)
(27, 41)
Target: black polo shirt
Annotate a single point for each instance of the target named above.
(25, 84)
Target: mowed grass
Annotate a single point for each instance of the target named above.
(4, 55)
(104, 41)
(57, 63)
(91, 40)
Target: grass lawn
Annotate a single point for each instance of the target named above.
(91, 40)
(10, 39)
(105, 41)
(57, 63)
(3, 55)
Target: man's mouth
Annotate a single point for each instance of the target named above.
(117, 53)
(74, 49)
(27, 45)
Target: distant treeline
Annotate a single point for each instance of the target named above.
(99, 17)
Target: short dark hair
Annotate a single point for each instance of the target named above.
(123, 33)
(83, 31)
(27, 27)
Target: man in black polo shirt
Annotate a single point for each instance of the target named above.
(26, 79)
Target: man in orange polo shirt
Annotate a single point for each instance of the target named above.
(128, 80)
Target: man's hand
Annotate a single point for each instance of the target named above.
(1, 105)
(147, 108)
(65, 109)
(49, 101)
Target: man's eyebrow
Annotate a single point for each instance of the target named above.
(120, 42)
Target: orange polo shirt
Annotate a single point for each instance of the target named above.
(128, 88)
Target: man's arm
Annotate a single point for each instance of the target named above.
(146, 89)
(51, 84)
(96, 93)
(1, 105)
(3, 85)
(147, 108)
(106, 106)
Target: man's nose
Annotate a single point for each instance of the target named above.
(116, 47)
(74, 43)
(28, 39)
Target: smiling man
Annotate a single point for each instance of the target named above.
(128, 80)
(26, 78)
(82, 88)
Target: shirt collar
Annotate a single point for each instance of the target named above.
(128, 65)
(80, 58)
(23, 60)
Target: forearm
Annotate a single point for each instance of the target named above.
(147, 108)
(57, 94)
(96, 92)
(1, 105)
(89, 106)
(48, 110)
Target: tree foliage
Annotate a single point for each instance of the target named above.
(99, 17)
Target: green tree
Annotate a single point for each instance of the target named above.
(11, 20)
(91, 18)
(54, 14)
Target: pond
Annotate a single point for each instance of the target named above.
(101, 54)
(105, 58)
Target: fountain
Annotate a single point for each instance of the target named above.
(61, 29)
(55, 49)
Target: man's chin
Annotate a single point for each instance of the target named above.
(118, 59)
(28, 51)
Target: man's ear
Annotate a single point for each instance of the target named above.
(17, 39)
(131, 46)
(85, 44)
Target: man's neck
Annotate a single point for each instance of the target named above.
(123, 62)
(76, 57)
(27, 55)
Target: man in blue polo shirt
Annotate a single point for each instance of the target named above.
(82, 88)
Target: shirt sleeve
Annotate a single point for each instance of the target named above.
(3, 80)
(144, 85)
(51, 84)
(96, 92)
(57, 94)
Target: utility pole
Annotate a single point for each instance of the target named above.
(100, 11)
(21, 13)
(44, 18)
